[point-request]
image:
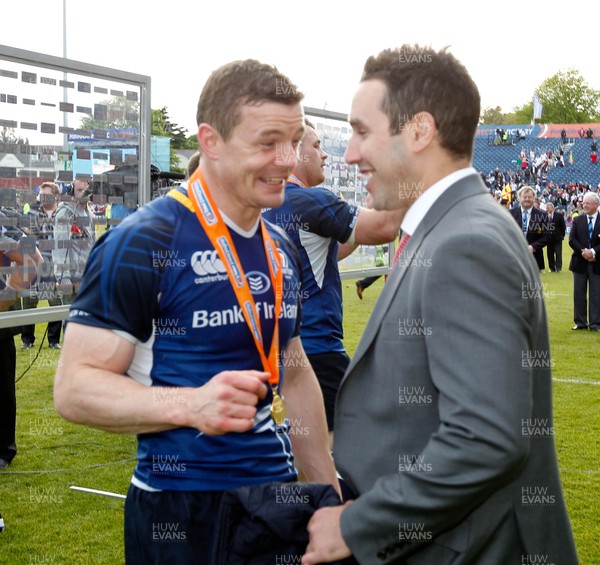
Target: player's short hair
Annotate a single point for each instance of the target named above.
(238, 83)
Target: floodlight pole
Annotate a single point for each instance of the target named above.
(65, 95)
(65, 29)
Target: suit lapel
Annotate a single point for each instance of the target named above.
(596, 225)
(519, 217)
(464, 188)
(582, 228)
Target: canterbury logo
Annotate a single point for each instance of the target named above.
(207, 263)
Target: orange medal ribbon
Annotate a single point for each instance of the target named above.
(218, 234)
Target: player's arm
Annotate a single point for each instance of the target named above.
(91, 388)
(304, 408)
(372, 227)
(345, 249)
(377, 226)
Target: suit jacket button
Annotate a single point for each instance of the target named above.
(382, 555)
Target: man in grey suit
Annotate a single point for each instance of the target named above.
(444, 425)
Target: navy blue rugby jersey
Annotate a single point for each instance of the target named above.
(316, 220)
(157, 278)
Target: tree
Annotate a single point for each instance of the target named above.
(163, 126)
(192, 141)
(118, 112)
(568, 99)
(524, 114)
(493, 116)
(7, 136)
(115, 113)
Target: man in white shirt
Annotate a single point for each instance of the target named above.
(429, 416)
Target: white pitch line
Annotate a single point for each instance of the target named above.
(102, 492)
(580, 471)
(577, 381)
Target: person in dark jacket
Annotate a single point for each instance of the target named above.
(533, 222)
(584, 240)
(556, 234)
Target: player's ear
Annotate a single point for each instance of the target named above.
(209, 141)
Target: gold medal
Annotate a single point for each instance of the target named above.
(277, 408)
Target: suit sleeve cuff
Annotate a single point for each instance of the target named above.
(365, 545)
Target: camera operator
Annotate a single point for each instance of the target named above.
(74, 236)
(41, 226)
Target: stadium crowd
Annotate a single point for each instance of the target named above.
(567, 197)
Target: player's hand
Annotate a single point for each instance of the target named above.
(227, 403)
(326, 543)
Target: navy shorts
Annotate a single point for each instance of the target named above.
(330, 369)
(169, 526)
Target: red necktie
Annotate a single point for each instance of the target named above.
(403, 241)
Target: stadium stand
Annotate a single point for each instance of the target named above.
(491, 151)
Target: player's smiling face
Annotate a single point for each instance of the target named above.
(261, 152)
(381, 157)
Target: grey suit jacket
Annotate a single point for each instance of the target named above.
(444, 418)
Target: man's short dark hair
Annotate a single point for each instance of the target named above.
(53, 187)
(419, 79)
(238, 83)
